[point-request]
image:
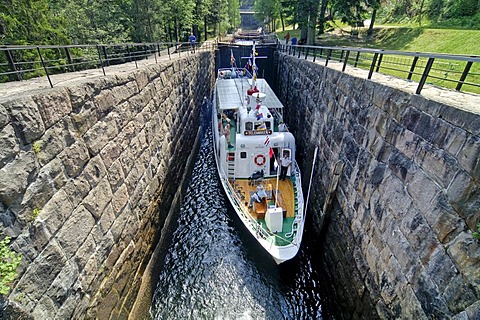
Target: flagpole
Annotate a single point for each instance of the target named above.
(278, 171)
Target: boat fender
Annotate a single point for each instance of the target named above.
(259, 159)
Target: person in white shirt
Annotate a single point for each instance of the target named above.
(257, 196)
(285, 163)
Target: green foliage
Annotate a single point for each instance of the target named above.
(35, 214)
(9, 261)
(476, 234)
(37, 147)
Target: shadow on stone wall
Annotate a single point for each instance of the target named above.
(399, 242)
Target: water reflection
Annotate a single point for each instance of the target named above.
(215, 270)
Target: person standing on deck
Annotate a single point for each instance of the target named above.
(285, 163)
(226, 131)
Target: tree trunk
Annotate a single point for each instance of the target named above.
(372, 22)
(205, 26)
(312, 23)
(321, 21)
(281, 19)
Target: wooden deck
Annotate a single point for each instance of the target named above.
(287, 198)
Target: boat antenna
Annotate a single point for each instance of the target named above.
(253, 57)
(310, 182)
(278, 172)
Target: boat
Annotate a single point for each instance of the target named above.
(249, 140)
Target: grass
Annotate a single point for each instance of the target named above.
(413, 39)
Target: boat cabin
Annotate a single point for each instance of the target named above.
(252, 136)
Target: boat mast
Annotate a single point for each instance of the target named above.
(310, 182)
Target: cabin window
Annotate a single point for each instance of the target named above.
(260, 125)
(248, 126)
(243, 155)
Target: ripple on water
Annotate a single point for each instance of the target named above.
(215, 270)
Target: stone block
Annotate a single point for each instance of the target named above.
(459, 295)
(77, 189)
(9, 145)
(74, 158)
(98, 198)
(54, 141)
(410, 306)
(111, 152)
(441, 269)
(53, 106)
(56, 211)
(85, 117)
(443, 219)
(44, 309)
(433, 303)
(422, 189)
(85, 251)
(399, 164)
(73, 233)
(4, 117)
(464, 196)
(120, 199)
(469, 155)
(40, 274)
(116, 176)
(465, 252)
(105, 102)
(61, 286)
(438, 164)
(94, 171)
(26, 119)
(100, 134)
(14, 177)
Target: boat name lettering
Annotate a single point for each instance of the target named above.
(256, 132)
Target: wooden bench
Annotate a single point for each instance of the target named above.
(260, 208)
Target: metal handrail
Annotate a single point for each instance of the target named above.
(414, 66)
(25, 62)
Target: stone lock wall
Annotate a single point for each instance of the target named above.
(398, 240)
(87, 177)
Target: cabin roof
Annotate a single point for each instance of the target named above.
(228, 100)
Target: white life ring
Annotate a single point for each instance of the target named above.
(259, 160)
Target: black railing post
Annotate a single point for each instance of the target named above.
(341, 56)
(329, 54)
(145, 50)
(100, 59)
(412, 68)
(159, 48)
(104, 49)
(155, 53)
(372, 66)
(11, 63)
(129, 53)
(347, 54)
(69, 59)
(314, 54)
(44, 66)
(426, 71)
(135, 57)
(356, 59)
(168, 50)
(299, 52)
(379, 62)
(306, 53)
(464, 75)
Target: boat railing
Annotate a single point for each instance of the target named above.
(232, 73)
(261, 231)
(299, 214)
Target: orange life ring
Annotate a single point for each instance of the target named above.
(260, 159)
